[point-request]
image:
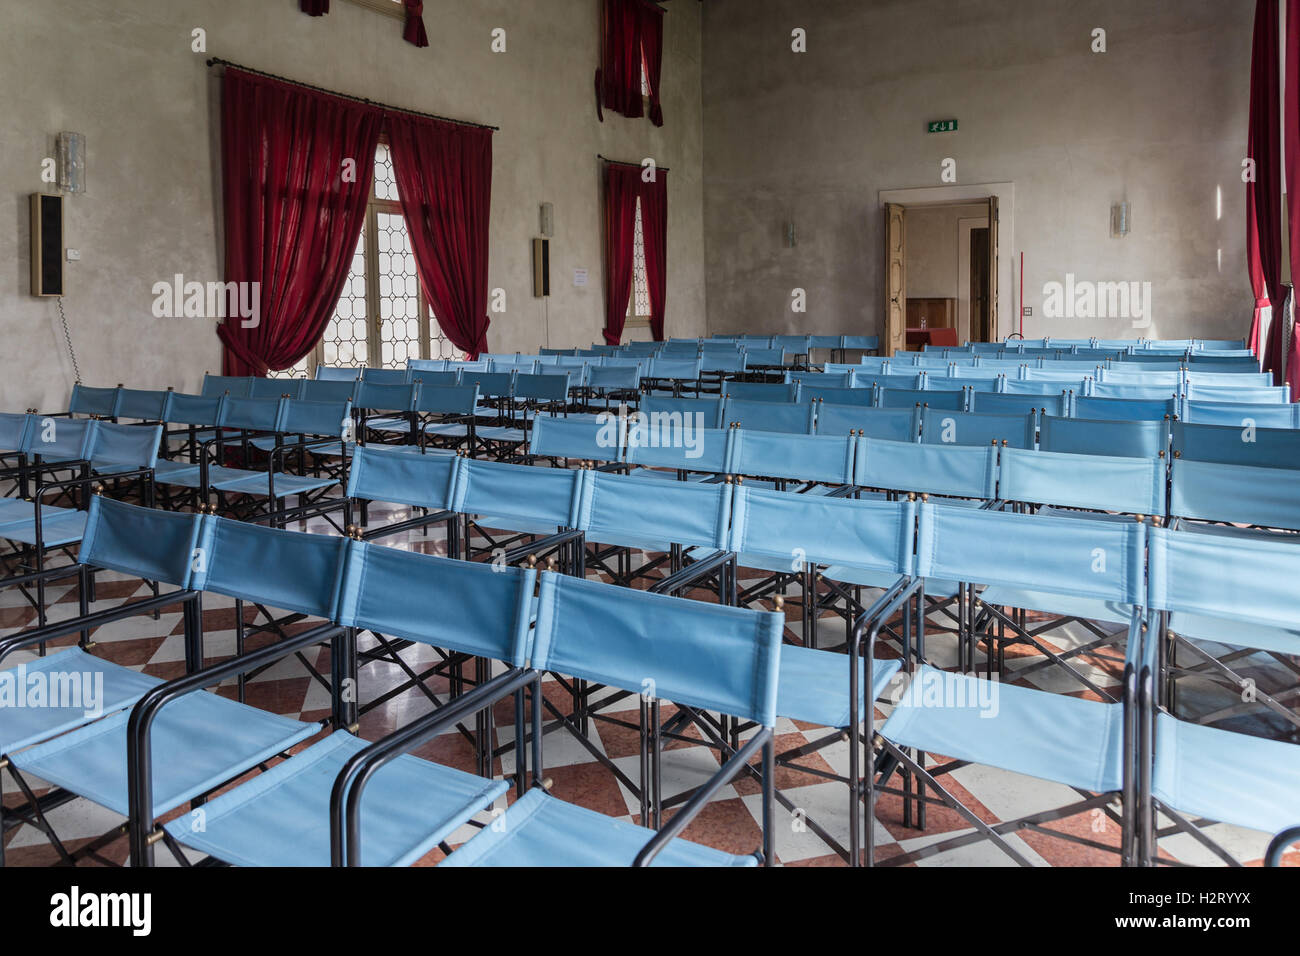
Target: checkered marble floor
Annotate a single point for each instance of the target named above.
(731, 822)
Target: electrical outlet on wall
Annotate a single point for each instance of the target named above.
(1028, 311)
(74, 255)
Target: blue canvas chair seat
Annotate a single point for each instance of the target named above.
(1055, 737)
(64, 527)
(399, 425)
(281, 817)
(1234, 633)
(199, 742)
(1224, 776)
(813, 685)
(259, 483)
(448, 429)
(539, 830)
(23, 726)
(502, 433)
(1060, 605)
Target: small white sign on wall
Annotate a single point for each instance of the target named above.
(580, 278)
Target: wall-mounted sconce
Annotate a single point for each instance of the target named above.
(1119, 220)
(790, 239)
(71, 149)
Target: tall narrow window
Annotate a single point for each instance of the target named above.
(382, 318)
(638, 303)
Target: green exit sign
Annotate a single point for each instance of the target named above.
(942, 126)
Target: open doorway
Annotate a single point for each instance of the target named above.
(945, 254)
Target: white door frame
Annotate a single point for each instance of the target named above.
(1006, 192)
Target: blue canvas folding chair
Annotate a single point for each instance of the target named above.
(761, 392)
(238, 386)
(1014, 386)
(1085, 745)
(613, 383)
(939, 427)
(769, 416)
(386, 410)
(821, 380)
(1080, 436)
(1003, 404)
(1125, 409)
(1214, 590)
(764, 358)
(862, 397)
(892, 424)
(911, 398)
(669, 445)
(94, 402)
(810, 464)
(672, 376)
(1242, 415)
(704, 658)
(1237, 444)
(328, 373)
(704, 412)
(1233, 494)
(893, 382)
(598, 438)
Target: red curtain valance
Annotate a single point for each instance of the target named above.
(412, 30)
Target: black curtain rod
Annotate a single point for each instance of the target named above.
(217, 61)
(619, 162)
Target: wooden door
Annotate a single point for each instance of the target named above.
(990, 319)
(895, 279)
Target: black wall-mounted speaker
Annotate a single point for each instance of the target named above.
(541, 267)
(47, 245)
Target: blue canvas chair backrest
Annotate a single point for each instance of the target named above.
(546, 387)
(1083, 557)
(714, 361)
(940, 427)
(608, 377)
(1081, 436)
(1081, 369)
(763, 356)
(196, 410)
(862, 397)
(938, 382)
(867, 343)
(1109, 391)
(14, 430)
(1237, 444)
(794, 344)
(1068, 379)
(891, 424)
(890, 381)
(960, 471)
(1240, 395)
(703, 655)
(214, 386)
(87, 400)
(1010, 366)
(324, 390)
(276, 388)
(386, 376)
(518, 366)
(626, 361)
(821, 458)
(518, 493)
(937, 362)
(429, 365)
(553, 437)
(289, 570)
(878, 364)
(760, 392)
(447, 399)
(821, 380)
(1125, 409)
(1093, 482)
(491, 384)
(316, 418)
(1237, 379)
(1219, 345)
(1238, 578)
(1003, 403)
(1094, 356)
(677, 443)
(1242, 415)
(620, 508)
(1013, 386)
(1122, 345)
(976, 372)
(1227, 360)
(466, 367)
(547, 357)
(825, 341)
(769, 416)
(435, 379)
(133, 446)
(840, 368)
(1128, 376)
(60, 438)
(425, 481)
(910, 398)
(142, 542)
(330, 373)
(703, 411)
(146, 405)
(379, 397)
(867, 534)
(253, 414)
(687, 370)
(1211, 491)
(1164, 362)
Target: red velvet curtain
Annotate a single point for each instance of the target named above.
(652, 49)
(444, 179)
(654, 231)
(1264, 195)
(618, 78)
(315, 8)
(292, 219)
(414, 32)
(1291, 115)
(622, 185)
